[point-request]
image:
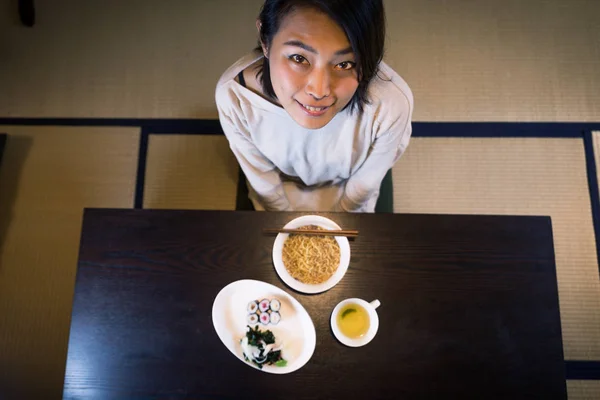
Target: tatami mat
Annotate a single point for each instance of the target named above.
(485, 60)
(522, 177)
(583, 390)
(48, 175)
(190, 172)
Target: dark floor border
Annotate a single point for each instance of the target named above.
(582, 370)
(592, 175)
(420, 129)
(571, 130)
(140, 178)
(151, 125)
(2, 142)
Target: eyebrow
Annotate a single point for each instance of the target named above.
(297, 43)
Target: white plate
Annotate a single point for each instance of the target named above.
(304, 287)
(295, 331)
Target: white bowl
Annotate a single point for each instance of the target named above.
(296, 330)
(373, 322)
(304, 287)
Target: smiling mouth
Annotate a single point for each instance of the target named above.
(313, 110)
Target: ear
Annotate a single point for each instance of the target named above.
(264, 46)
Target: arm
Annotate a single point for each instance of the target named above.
(390, 143)
(259, 171)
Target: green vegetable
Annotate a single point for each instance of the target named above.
(348, 311)
(281, 363)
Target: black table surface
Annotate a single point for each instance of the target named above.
(469, 308)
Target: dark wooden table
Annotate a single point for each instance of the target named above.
(469, 308)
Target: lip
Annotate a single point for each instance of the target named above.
(313, 113)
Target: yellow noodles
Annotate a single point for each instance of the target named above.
(311, 259)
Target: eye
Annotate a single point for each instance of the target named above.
(298, 59)
(346, 65)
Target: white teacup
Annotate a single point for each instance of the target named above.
(373, 322)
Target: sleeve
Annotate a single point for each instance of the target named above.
(391, 140)
(260, 172)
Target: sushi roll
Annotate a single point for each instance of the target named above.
(252, 319)
(275, 305)
(275, 317)
(252, 307)
(263, 306)
(264, 318)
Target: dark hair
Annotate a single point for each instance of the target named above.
(363, 21)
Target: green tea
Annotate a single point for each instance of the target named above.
(353, 320)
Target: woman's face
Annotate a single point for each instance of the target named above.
(313, 69)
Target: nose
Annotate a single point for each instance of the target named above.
(319, 84)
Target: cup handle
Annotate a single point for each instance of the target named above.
(375, 304)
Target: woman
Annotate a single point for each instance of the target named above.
(313, 116)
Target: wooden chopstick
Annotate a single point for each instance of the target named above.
(314, 232)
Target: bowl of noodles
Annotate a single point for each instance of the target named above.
(311, 264)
